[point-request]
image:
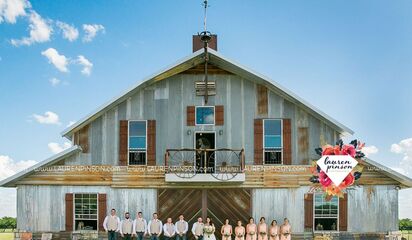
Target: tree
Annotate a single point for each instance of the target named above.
(8, 223)
(405, 224)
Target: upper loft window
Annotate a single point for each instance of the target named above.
(326, 213)
(137, 142)
(205, 115)
(272, 142)
(85, 211)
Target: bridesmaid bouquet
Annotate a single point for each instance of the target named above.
(262, 233)
(252, 233)
(273, 234)
(286, 234)
(240, 235)
(208, 230)
(226, 235)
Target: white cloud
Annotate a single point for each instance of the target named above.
(404, 147)
(48, 118)
(70, 123)
(54, 81)
(69, 31)
(59, 61)
(91, 31)
(86, 64)
(11, 9)
(56, 148)
(40, 31)
(369, 150)
(405, 206)
(9, 167)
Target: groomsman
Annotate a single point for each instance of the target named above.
(169, 229)
(126, 227)
(140, 226)
(111, 225)
(155, 227)
(197, 229)
(181, 228)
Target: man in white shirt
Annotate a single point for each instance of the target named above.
(197, 229)
(139, 226)
(126, 227)
(155, 227)
(168, 229)
(181, 228)
(111, 225)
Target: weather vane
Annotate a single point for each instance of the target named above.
(205, 37)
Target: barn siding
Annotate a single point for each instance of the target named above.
(166, 101)
(373, 209)
(42, 208)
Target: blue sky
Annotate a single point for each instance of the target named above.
(351, 59)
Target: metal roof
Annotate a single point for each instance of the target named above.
(222, 62)
(8, 182)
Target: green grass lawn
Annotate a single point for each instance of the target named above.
(407, 235)
(6, 236)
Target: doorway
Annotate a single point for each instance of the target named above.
(205, 157)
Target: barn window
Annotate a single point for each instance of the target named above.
(326, 213)
(85, 211)
(272, 142)
(137, 142)
(205, 115)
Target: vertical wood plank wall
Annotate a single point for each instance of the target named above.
(167, 101)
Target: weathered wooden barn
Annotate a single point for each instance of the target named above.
(238, 145)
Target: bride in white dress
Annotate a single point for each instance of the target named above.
(209, 230)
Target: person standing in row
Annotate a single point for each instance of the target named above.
(274, 231)
(126, 227)
(181, 228)
(209, 230)
(262, 229)
(169, 229)
(111, 225)
(155, 227)
(285, 230)
(226, 230)
(140, 226)
(239, 231)
(197, 229)
(251, 230)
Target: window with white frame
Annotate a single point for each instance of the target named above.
(137, 142)
(85, 211)
(326, 213)
(272, 141)
(205, 115)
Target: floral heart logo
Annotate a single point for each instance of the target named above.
(337, 167)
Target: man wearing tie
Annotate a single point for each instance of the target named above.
(155, 227)
(126, 227)
(168, 229)
(139, 226)
(111, 225)
(197, 229)
(181, 228)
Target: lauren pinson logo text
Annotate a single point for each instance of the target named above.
(337, 167)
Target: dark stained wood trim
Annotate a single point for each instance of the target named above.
(343, 213)
(102, 209)
(151, 143)
(219, 115)
(69, 211)
(308, 210)
(190, 115)
(123, 142)
(287, 142)
(258, 141)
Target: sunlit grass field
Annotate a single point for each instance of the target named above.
(6, 235)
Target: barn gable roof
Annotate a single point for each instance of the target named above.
(220, 61)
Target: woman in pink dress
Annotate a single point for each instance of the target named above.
(285, 230)
(226, 231)
(240, 231)
(251, 230)
(274, 231)
(262, 229)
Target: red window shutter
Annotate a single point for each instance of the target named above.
(343, 213)
(190, 115)
(219, 115)
(123, 140)
(258, 141)
(308, 206)
(102, 210)
(151, 143)
(69, 211)
(287, 142)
